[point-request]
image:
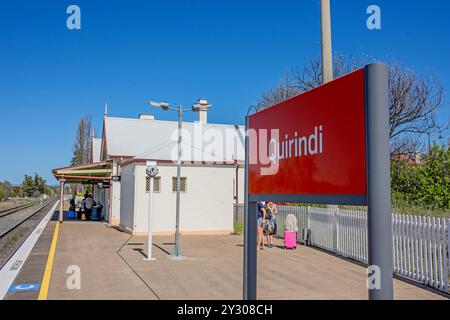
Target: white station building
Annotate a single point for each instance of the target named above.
(212, 174)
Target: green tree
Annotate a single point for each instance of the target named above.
(435, 179)
(28, 186)
(426, 185)
(6, 190)
(33, 186)
(40, 184)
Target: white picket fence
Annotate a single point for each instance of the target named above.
(421, 244)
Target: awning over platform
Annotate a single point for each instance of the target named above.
(86, 174)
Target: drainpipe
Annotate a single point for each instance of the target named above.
(237, 184)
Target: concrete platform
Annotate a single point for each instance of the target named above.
(93, 246)
(33, 270)
(112, 267)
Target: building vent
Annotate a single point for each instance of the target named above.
(146, 117)
(183, 184)
(156, 184)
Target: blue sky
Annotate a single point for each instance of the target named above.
(131, 51)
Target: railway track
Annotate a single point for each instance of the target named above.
(19, 221)
(15, 227)
(7, 212)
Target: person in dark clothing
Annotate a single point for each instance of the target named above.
(73, 204)
(89, 205)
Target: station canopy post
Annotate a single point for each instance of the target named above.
(61, 205)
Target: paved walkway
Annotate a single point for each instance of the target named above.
(214, 271)
(104, 275)
(112, 267)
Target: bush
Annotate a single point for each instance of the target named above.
(426, 185)
(238, 228)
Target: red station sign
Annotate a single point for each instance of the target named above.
(328, 146)
(315, 142)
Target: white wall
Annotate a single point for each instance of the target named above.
(207, 206)
(127, 197)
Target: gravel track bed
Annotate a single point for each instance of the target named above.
(10, 242)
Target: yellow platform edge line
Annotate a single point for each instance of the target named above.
(43, 292)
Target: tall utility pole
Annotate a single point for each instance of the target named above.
(327, 54)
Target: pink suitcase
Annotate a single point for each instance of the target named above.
(290, 240)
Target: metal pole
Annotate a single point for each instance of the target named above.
(177, 252)
(378, 181)
(250, 226)
(327, 55)
(150, 222)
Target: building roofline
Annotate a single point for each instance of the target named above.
(175, 122)
(82, 166)
(212, 163)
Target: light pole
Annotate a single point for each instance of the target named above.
(200, 105)
(327, 55)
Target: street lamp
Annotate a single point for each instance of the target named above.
(163, 105)
(200, 106)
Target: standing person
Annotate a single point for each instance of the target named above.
(73, 207)
(73, 204)
(261, 222)
(89, 205)
(271, 225)
(83, 206)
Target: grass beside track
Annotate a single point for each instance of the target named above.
(15, 203)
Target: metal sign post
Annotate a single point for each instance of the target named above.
(152, 172)
(250, 225)
(335, 153)
(379, 214)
